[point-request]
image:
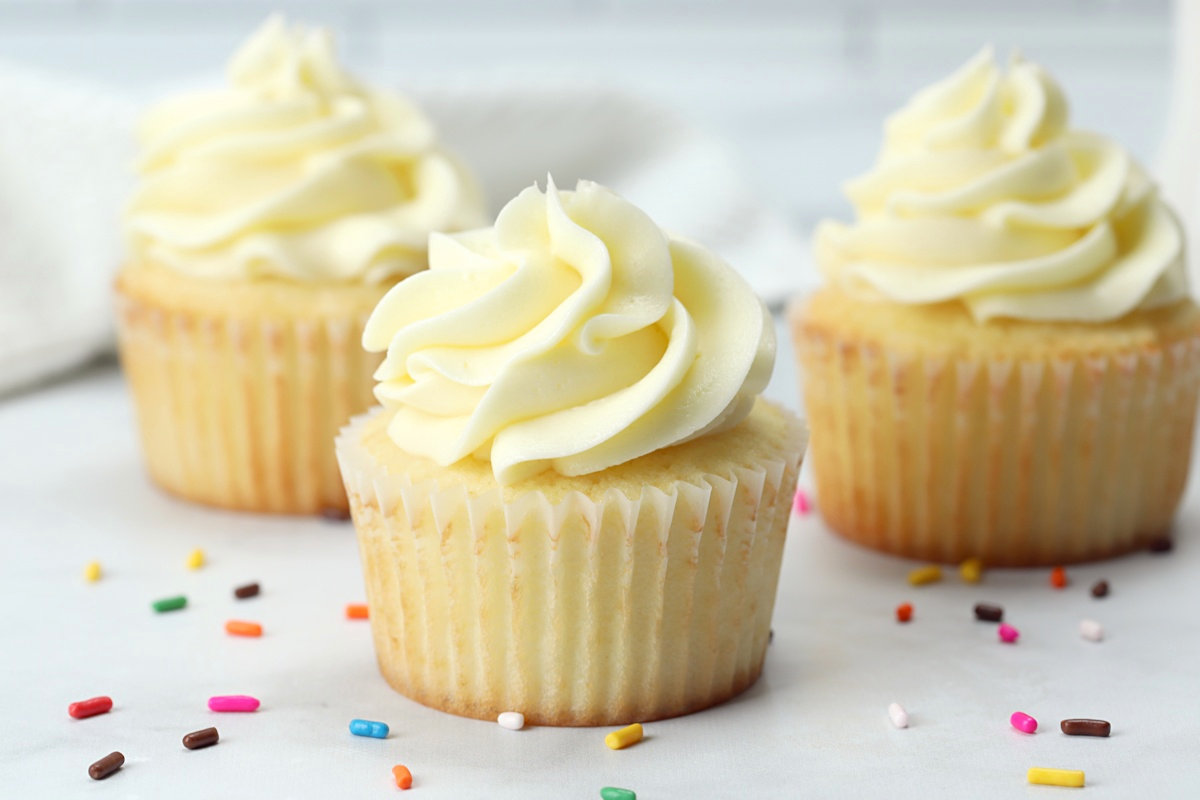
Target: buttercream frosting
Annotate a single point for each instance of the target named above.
(572, 335)
(295, 170)
(983, 194)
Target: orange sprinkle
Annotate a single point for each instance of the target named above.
(403, 776)
(904, 612)
(1058, 578)
(239, 628)
(356, 611)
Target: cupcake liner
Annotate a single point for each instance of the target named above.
(581, 611)
(1014, 462)
(239, 412)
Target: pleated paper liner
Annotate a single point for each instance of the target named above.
(240, 411)
(1017, 462)
(633, 604)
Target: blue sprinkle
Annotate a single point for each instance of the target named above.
(366, 727)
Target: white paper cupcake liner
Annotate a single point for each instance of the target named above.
(585, 611)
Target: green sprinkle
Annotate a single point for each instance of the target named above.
(170, 604)
(613, 793)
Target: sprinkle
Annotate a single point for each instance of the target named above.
(1045, 776)
(904, 612)
(247, 590)
(923, 575)
(335, 514)
(403, 776)
(240, 703)
(1023, 722)
(237, 627)
(971, 570)
(800, 503)
(1008, 634)
(513, 720)
(90, 707)
(1162, 544)
(1058, 578)
(1086, 727)
(369, 727)
(629, 735)
(91, 573)
(615, 793)
(986, 612)
(357, 611)
(169, 604)
(898, 715)
(106, 766)
(1100, 589)
(197, 740)
(195, 559)
(1091, 630)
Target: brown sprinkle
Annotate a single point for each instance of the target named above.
(988, 613)
(203, 738)
(1100, 589)
(1163, 544)
(249, 590)
(1086, 727)
(106, 766)
(335, 514)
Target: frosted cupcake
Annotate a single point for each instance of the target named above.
(270, 218)
(572, 503)
(1005, 361)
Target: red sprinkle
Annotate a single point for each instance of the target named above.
(800, 503)
(904, 612)
(1058, 578)
(91, 707)
(357, 611)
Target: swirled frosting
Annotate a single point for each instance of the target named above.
(982, 194)
(573, 335)
(294, 171)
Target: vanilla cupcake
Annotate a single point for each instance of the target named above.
(572, 502)
(1004, 363)
(270, 218)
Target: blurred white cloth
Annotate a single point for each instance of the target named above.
(66, 155)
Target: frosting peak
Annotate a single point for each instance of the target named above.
(573, 335)
(296, 171)
(983, 194)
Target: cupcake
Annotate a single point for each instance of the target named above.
(572, 502)
(1003, 363)
(269, 219)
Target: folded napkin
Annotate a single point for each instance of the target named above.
(66, 155)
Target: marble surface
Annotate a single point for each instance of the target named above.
(815, 725)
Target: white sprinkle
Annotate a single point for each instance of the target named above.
(513, 720)
(898, 715)
(1091, 630)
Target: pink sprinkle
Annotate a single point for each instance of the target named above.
(1008, 634)
(233, 702)
(800, 502)
(1023, 722)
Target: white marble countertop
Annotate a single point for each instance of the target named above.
(815, 725)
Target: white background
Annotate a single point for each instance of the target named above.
(799, 90)
(799, 87)
(814, 726)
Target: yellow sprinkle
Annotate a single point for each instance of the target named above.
(619, 740)
(1046, 776)
(92, 571)
(195, 559)
(971, 570)
(923, 575)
